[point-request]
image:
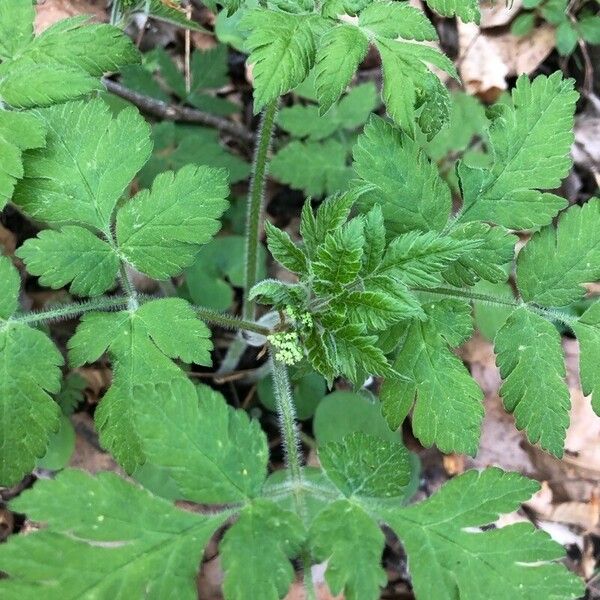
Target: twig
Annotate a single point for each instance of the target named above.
(173, 112)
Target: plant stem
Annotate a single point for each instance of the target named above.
(71, 310)
(256, 196)
(229, 321)
(67, 311)
(128, 287)
(547, 313)
(291, 445)
(287, 420)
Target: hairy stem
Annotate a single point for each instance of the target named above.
(293, 455)
(255, 203)
(229, 321)
(287, 420)
(72, 310)
(128, 287)
(502, 301)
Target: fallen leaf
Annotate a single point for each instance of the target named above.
(497, 14)
(49, 12)
(486, 58)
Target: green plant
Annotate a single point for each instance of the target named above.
(575, 22)
(386, 276)
(316, 158)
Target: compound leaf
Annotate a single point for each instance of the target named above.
(160, 230)
(88, 161)
(531, 362)
(118, 541)
(448, 561)
(395, 173)
(351, 542)
(72, 254)
(556, 262)
(29, 363)
(366, 465)
(249, 570)
(530, 143)
(215, 454)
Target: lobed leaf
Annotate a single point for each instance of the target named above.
(531, 362)
(448, 561)
(530, 143)
(448, 407)
(556, 262)
(249, 570)
(215, 454)
(71, 254)
(19, 131)
(160, 230)
(105, 537)
(366, 465)
(394, 172)
(89, 160)
(30, 365)
(351, 542)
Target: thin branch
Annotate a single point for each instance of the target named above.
(174, 112)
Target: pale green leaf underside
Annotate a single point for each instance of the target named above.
(106, 538)
(215, 453)
(261, 570)
(531, 362)
(446, 561)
